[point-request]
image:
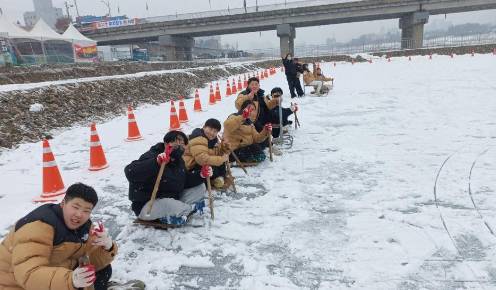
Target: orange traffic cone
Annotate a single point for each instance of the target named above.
(53, 185)
(240, 84)
(233, 88)
(218, 96)
(174, 119)
(211, 99)
(245, 83)
(228, 89)
(97, 156)
(133, 133)
(183, 115)
(197, 107)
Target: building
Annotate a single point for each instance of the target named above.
(43, 9)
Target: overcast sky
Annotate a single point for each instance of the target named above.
(314, 35)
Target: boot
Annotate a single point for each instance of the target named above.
(228, 182)
(276, 151)
(218, 183)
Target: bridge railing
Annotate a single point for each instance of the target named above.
(325, 50)
(237, 11)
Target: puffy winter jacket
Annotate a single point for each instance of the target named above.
(263, 105)
(201, 151)
(142, 174)
(241, 133)
(40, 252)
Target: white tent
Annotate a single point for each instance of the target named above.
(12, 30)
(76, 36)
(42, 30)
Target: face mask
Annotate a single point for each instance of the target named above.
(177, 153)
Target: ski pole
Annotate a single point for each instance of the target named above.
(229, 172)
(155, 188)
(270, 148)
(210, 198)
(239, 162)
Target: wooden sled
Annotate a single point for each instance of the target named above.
(159, 225)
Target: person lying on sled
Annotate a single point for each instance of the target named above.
(204, 148)
(242, 135)
(57, 247)
(180, 193)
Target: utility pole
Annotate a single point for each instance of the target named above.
(107, 3)
(67, 5)
(77, 9)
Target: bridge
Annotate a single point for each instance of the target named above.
(176, 32)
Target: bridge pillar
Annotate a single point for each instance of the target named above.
(286, 34)
(177, 47)
(412, 29)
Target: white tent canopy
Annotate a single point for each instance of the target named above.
(13, 31)
(45, 32)
(74, 34)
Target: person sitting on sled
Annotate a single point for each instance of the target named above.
(173, 203)
(57, 247)
(276, 94)
(243, 137)
(204, 149)
(262, 104)
(326, 87)
(310, 79)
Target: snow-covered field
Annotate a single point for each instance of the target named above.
(359, 201)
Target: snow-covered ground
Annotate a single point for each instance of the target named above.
(359, 201)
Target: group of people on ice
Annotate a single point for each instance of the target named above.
(58, 247)
(294, 69)
(190, 160)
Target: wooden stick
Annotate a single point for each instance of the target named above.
(210, 198)
(239, 162)
(155, 188)
(271, 155)
(229, 173)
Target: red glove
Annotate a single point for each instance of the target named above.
(97, 229)
(206, 171)
(164, 157)
(84, 276)
(247, 111)
(294, 107)
(268, 127)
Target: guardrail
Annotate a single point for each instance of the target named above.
(242, 10)
(325, 50)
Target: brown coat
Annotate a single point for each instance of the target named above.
(309, 77)
(323, 78)
(243, 97)
(240, 135)
(29, 259)
(198, 152)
